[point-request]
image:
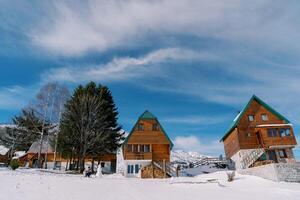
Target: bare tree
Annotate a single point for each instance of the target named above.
(48, 106)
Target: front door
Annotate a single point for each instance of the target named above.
(259, 139)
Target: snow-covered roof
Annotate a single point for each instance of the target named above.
(19, 153)
(46, 147)
(3, 150)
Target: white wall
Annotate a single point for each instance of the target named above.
(141, 163)
(289, 172)
(264, 171)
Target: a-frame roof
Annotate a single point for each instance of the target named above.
(148, 115)
(238, 118)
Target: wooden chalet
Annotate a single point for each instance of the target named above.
(259, 135)
(146, 150)
(54, 159)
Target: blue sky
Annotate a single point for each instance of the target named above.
(194, 64)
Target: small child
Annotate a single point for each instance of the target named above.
(88, 173)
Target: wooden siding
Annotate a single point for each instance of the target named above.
(231, 144)
(161, 152)
(246, 127)
(273, 141)
(148, 136)
(159, 143)
(244, 135)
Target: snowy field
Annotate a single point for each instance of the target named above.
(35, 185)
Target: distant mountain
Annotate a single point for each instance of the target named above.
(186, 157)
(194, 163)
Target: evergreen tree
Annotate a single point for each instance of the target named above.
(89, 124)
(26, 131)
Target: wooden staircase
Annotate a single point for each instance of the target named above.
(250, 157)
(166, 167)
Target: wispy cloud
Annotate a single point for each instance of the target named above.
(125, 68)
(74, 29)
(193, 143)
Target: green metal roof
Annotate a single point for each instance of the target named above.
(148, 115)
(238, 118)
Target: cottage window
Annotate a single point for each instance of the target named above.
(272, 132)
(284, 132)
(130, 169)
(264, 117)
(154, 127)
(251, 118)
(129, 148)
(147, 148)
(140, 127)
(135, 148)
(136, 169)
(248, 135)
(142, 149)
(282, 153)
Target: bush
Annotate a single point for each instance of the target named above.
(14, 164)
(230, 176)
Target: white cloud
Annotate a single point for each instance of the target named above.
(193, 143)
(74, 29)
(125, 68)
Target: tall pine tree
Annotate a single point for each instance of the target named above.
(89, 124)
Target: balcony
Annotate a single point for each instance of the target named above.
(138, 156)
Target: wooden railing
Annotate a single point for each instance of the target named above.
(138, 156)
(251, 157)
(166, 167)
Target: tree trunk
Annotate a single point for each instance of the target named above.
(66, 169)
(82, 164)
(93, 164)
(77, 163)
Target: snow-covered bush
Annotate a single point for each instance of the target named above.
(14, 164)
(230, 176)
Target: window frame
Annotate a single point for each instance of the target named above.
(145, 147)
(140, 127)
(136, 168)
(248, 135)
(271, 134)
(250, 118)
(283, 155)
(142, 148)
(286, 132)
(135, 148)
(264, 117)
(129, 148)
(155, 127)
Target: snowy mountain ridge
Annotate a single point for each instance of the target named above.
(181, 156)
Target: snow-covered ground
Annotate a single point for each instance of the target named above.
(34, 185)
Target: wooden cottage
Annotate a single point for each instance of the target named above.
(146, 150)
(259, 135)
(53, 160)
(49, 158)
